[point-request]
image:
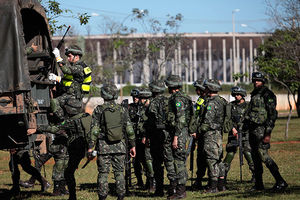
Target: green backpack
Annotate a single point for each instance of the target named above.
(113, 123)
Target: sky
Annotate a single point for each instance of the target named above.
(199, 16)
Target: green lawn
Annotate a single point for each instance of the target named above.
(285, 152)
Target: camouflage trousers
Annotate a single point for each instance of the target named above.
(231, 149)
(260, 155)
(213, 153)
(118, 165)
(176, 158)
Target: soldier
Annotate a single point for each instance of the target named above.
(75, 81)
(238, 109)
(110, 122)
(157, 118)
(200, 106)
(56, 148)
(261, 116)
(19, 156)
(142, 138)
(211, 128)
(180, 110)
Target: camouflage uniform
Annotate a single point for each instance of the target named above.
(238, 111)
(262, 115)
(180, 110)
(110, 153)
(211, 128)
(158, 135)
(194, 128)
(22, 157)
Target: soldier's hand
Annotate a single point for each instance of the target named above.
(34, 47)
(132, 152)
(175, 142)
(31, 131)
(144, 140)
(267, 138)
(235, 133)
(194, 135)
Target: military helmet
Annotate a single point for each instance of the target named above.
(135, 92)
(258, 76)
(144, 93)
(157, 86)
(238, 90)
(213, 85)
(173, 81)
(109, 92)
(199, 84)
(73, 49)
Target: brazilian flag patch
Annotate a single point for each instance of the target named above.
(178, 104)
(209, 108)
(63, 122)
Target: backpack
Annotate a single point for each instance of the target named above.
(113, 123)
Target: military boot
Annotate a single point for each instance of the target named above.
(140, 184)
(29, 183)
(15, 191)
(213, 187)
(152, 184)
(45, 185)
(56, 189)
(197, 185)
(221, 185)
(172, 188)
(63, 189)
(180, 192)
(279, 186)
(259, 185)
(102, 197)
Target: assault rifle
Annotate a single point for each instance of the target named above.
(94, 154)
(128, 182)
(240, 143)
(190, 151)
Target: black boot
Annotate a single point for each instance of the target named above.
(151, 184)
(221, 185)
(197, 185)
(102, 197)
(63, 189)
(172, 188)
(280, 186)
(180, 192)
(213, 187)
(140, 184)
(15, 191)
(45, 185)
(56, 189)
(29, 183)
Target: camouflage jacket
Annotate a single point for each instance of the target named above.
(198, 115)
(157, 112)
(214, 114)
(237, 114)
(262, 109)
(180, 111)
(75, 70)
(98, 135)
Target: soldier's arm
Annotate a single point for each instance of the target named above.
(129, 130)
(180, 117)
(75, 70)
(95, 128)
(270, 102)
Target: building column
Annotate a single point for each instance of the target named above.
(231, 65)
(115, 61)
(209, 60)
(179, 64)
(146, 67)
(238, 58)
(254, 56)
(195, 59)
(224, 61)
(191, 64)
(244, 64)
(131, 75)
(251, 56)
(99, 56)
(162, 62)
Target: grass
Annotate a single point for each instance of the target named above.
(285, 152)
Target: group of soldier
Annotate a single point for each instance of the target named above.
(153, 130)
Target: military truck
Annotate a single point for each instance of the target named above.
(25, 91)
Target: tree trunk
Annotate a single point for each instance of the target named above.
(289, 117)
(298, 103)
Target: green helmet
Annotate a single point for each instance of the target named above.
(109, 92)
(157, 86)
(258, 76)
(73, 49)
(135, 92)
(238, 90)
(144, 93)
(199, 84)
(173, 81)
(212, 85)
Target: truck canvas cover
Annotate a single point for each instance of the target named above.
(14, 72)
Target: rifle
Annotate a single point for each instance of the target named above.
(62, 39)
(190, 151)
(94, 154)
(240, 140)
(128, 182)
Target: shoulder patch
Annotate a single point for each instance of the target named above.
(209, 108)
(178, 104)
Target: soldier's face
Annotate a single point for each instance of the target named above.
(198, 91)
(238, 97)
(72, 58)
(258, 84)
(135, 99)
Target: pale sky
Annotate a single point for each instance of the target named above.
(199, 16)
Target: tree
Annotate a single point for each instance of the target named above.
(279, 56)
(53, 11)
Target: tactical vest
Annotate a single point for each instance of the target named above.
(199, 106)
(85, 85)
(238, 111)
(216, 122)
(258, 113)
(161, 116)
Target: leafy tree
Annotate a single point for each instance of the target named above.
(279, 56)
(53, 11)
